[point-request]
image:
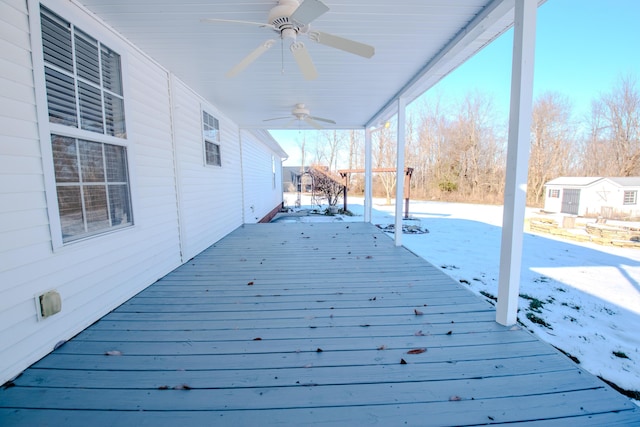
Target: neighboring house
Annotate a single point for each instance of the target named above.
(112, 173)
(295, 178)
(607, 197)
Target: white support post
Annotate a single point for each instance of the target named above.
(400, 170)
(368, 181)
(517, 160)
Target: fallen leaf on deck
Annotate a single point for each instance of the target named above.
(417, 312)
(382, 347)
(417, 351)
(113, 353)
(455, 398)
(257, 339)
(182, 387)
(163, 387)
(250, 283)
(243, 259)
(368, 257)
(450, 332)
(419, 334)
(319, 350)
(403, 362)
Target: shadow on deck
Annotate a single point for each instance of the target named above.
(301, 324)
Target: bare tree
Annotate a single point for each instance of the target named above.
(327, 183)
(552, 144)
(615, 131)
(329, 145)
(473, 150)
(384, 156)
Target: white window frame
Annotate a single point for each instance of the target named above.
(554, 193)
(46, 129)
(208, 139)
(273, 171)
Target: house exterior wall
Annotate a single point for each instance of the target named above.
(263, 168)
(180, 205)
(210, 197)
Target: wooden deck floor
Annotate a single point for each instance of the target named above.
(305, 324)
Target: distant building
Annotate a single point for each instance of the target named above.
(607, 197)
(295, 178)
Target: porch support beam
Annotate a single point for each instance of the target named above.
(368, 181)
(517, 161)
(400, 170)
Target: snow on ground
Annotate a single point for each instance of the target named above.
(588, 295)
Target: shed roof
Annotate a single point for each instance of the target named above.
(586, 181)
(577, 181)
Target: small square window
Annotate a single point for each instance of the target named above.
(554, 194)
(630, 197)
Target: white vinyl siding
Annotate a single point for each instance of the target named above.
(210, 197)
(95, 275)
(260, 170)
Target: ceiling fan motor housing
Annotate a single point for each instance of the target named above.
(279, 15)
(300, 112)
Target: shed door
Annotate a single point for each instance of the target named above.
(570, 201)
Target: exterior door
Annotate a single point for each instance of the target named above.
(570, 201)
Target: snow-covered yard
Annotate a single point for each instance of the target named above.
(582, 298)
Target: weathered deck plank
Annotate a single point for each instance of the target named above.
(299, 324)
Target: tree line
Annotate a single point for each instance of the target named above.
(458, 150)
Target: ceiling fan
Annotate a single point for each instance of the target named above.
(290, 19)
(301, 113)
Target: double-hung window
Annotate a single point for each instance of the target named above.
(85, 102)
(211, 133)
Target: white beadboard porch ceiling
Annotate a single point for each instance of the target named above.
(417, 43)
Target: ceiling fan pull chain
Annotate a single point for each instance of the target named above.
(282, 54)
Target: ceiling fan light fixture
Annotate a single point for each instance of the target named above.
(289, 33)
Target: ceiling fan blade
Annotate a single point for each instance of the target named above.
(234, 21)
(308, 11)
(322, 120)
(341, 43)
(304, 61)
(289, 123)
(313, 123)
(250, 58)
(276, 118)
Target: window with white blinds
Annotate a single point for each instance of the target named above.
(84, 93)
(211, 132)
(83, 79)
